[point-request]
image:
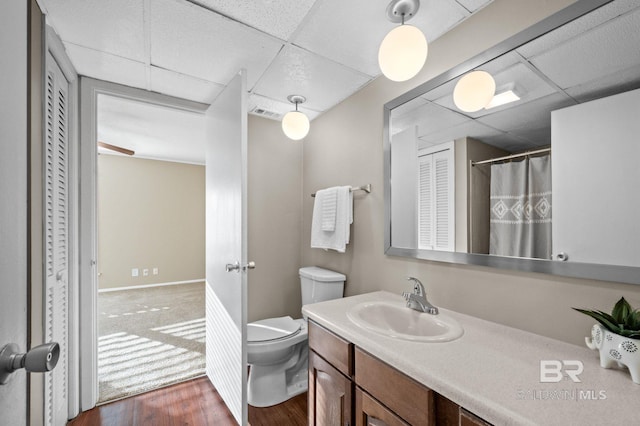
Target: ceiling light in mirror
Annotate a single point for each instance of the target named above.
(474, 91)
(295, 124)
(404, 49)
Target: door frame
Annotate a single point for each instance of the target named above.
(90, 89)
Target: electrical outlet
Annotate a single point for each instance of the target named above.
(145, 272)
(155, 271)
(134, 272)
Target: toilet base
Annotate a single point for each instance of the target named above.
(273, 384)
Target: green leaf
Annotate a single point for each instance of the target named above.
(633, 320)
(621, 311)
(623, 320)
(603, 318)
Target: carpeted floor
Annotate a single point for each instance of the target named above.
(149, 338)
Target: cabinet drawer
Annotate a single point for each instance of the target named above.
(401, 394)
(370, 412)
(331, 347)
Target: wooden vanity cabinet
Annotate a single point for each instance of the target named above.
(348, 386)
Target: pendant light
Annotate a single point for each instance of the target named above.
(295, 124)
(404, 49)
(474, 91)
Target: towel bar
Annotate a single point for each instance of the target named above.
(366, 188)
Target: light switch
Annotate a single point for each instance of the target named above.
(155, 271)
(134, 272)
(145, 272)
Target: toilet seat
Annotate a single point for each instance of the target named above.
(272, 329)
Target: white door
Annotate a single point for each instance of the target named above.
(13, 202)
(226, 246)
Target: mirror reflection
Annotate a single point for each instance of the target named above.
(546, 170)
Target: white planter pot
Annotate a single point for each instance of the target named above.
(616, 350)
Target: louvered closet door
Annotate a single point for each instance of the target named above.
(436, 227)
(425, 202)
(443, 191)
(56, 239)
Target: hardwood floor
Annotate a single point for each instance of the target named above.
(193, 403)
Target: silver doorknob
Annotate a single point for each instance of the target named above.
(233, 266)
(38, 360)
(250, 265)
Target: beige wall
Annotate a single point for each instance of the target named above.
(150, 215)
(274, 220)
(344, 147)
(476, 192)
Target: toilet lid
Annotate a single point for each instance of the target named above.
(272, 329)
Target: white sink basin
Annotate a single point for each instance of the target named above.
(395, 320)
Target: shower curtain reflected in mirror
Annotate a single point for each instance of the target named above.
(520, 217)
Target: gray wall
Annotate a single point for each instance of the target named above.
(344, 147)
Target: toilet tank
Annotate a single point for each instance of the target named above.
(318, 284)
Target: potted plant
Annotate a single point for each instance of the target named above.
(617, 337)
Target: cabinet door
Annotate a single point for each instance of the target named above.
(330, 394)
(370, 412)
(470, 419)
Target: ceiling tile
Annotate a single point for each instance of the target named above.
(577, 27)
(536, 113)
(114, 26)
(298, 72)
(468, 128)
(474, 5)
(350, 32)
(429, 118)
(276, 17)
(591, 55)
(192, 40)
(184, 86)
(509, 142)
(152, 131)
(105, 66)
(623, 81)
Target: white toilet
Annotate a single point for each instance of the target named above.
(277, 347)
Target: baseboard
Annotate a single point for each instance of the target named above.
(136, 287)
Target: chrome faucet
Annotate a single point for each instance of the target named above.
(418, 299)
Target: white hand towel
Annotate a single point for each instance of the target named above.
(339, 237)
(329, 207)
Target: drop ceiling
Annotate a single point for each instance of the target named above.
(324, 50)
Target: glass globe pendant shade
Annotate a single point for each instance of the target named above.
(402, 53)
(295, 125)
(474, 91)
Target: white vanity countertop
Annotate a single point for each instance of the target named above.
(494, 371)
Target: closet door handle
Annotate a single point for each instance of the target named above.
(233, 266)
(250, 265)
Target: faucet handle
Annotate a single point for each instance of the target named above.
(418, 288)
